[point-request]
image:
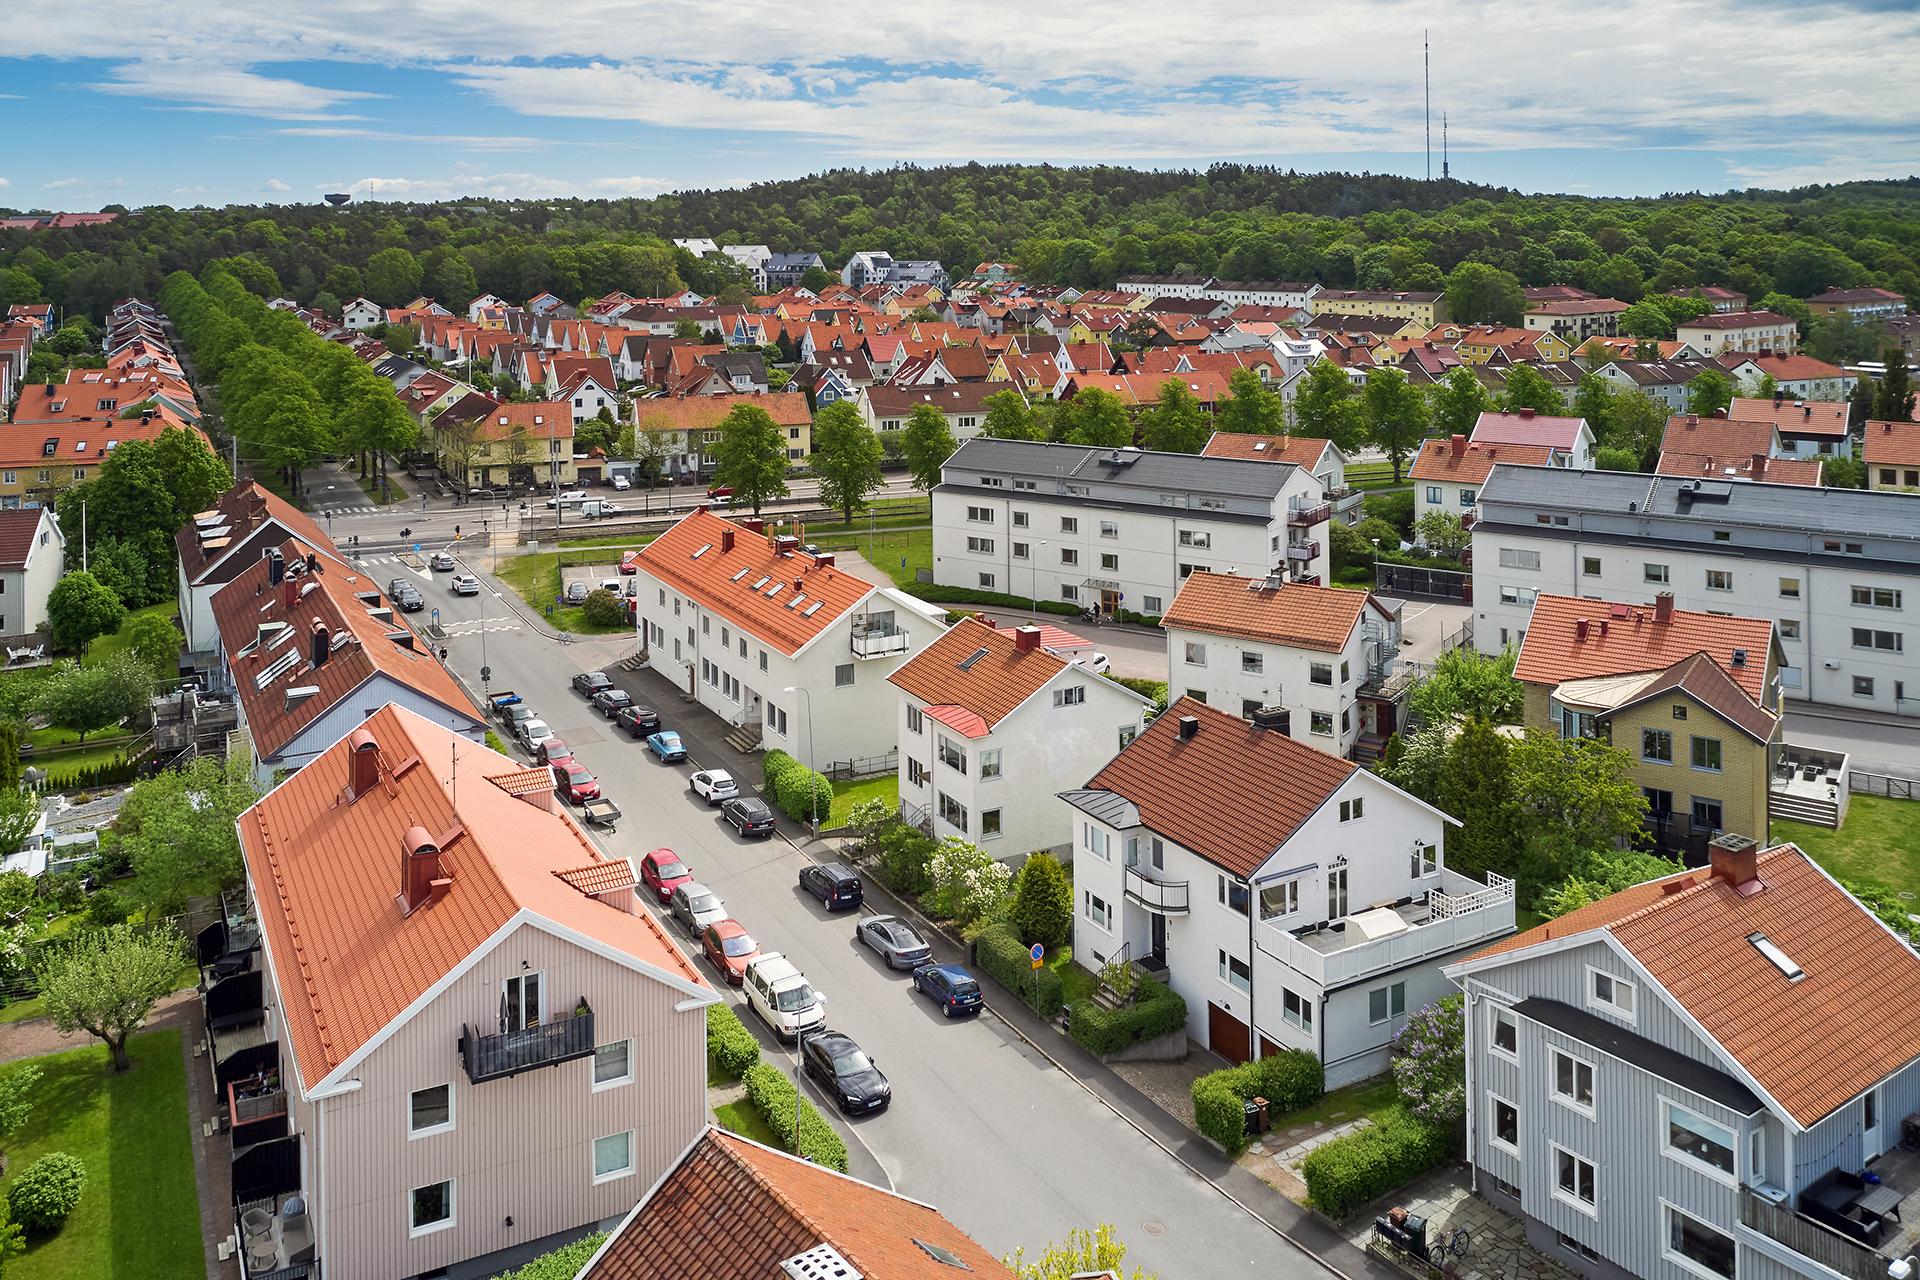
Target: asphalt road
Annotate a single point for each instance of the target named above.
(981, 1126)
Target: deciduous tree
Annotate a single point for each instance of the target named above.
(925, 444)
(1251, 407)
(750, 456)
(1478, 293)
(846, 458)
(1097, 418)
(80, 610)
(1395, 414)
(1326, 407)
(1176, 423)
(106, 981)
(1008, 417)
(1457, 401)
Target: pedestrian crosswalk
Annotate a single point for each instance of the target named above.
(479, 625)
(352, 511)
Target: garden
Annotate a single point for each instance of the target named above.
(772, 1112)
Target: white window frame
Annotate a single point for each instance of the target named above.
(1303, 1019)
(1497, 1014)
(1572, 1198)
(444, 1224)
(1571, 1101)
(593, 1158)
(1667, 1210)
(1494, 1139)
(446, 1126)
(626, 1078)
(1102, 921)
(1223, 969)
(1663, 1134)
(1627, 1012)
(1387, 991)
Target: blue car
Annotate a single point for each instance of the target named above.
(667, 745)
(954, 989)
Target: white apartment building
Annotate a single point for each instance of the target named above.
(1317, 655)
(1720, 331)
(1295, 900)
(1119, 528)
(992, 725)
(1830, 567)
(1448, 474)
(788, 648)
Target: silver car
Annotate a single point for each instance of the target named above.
(896, 941)
(533, 733)
(696, 906)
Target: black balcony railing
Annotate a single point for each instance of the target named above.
(1164, 897)
(508, 1053)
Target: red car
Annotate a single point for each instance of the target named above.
(553, 751)
(663, 872)
(729, 949)
(630, 562)
(719, 491)
(574, 783)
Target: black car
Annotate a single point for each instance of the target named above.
(638, 720)
(834, 883)
(588, 683)
(611, 702)
(845, 1071)
(410, 601)
(749, 815)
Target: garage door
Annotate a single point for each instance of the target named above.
(1227, 1035)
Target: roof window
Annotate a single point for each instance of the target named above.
(1778, 958)
(741, 574)
(812, 609)
(703, 549)
(966, 663)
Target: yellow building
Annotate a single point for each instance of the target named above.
(506, 445)
(1428, 309)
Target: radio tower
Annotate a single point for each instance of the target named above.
(1426, 71)
(1446, 170)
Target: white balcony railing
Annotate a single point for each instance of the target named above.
(1459, 913)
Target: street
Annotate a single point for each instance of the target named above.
(1009, 1146)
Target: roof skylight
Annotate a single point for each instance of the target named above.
(1778, 958)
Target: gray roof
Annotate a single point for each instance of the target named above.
(1126, 468)
(1657, 373)
(1669, 1064)
(1106, 806)
(793, 261)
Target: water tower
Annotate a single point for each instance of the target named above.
(338, 198)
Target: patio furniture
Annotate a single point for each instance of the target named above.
(1882, 1202)
(1834, 1201)
(256, 1230)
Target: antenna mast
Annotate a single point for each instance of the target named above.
(1426, 70)
(1446, 169)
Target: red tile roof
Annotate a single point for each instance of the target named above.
(990, 687)
(1719, 437)
(1793, 417)
(1301, 451)
(1296, 614)
(954, 398)
(1892, 444)
(1735, 320)
(1866, 293)
(1803, 471)
(1623, 639)
(703, 413)
(243, 509)
(1525, 427)
(1194, 790)
(18, 528)
(1474, 462)
(1701, 678)
(732, 1208)
(325, 872)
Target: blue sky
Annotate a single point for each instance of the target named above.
(249, 101)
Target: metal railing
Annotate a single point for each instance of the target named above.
(878, 644)
(1471, 914)
(1304, 516)
(1303, 550)
(1810, 1239)
(863, 767)
(1880, 784)
(1168, 897)
(508, 1053)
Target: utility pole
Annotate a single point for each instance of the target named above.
(1426, 71)
(1446, 169)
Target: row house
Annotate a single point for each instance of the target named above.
(1667, 381)
(1891, 451)
(224, 541)
(1743, 331)
(1804, 428)
(684, 429)
(481, 443)
(1424, 308)
(887, 407)
(1720, 447)
(362, 314)
(1722, 299)
(1797, 377)
(37, 463)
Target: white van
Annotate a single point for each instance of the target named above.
(779, 993)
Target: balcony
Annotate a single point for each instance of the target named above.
(878, 642)
(1303, 552)
(1307, 516)
(1162, 897)
(508, 1053)
(1391, 935)
(1843, 1249)
(1344, 500)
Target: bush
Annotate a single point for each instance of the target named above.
(1351, 1172)
(1155, 691)
(46, 1191)
(1395, 508)
(1157, 1011)
(1288, 1081)
(563, 1263)
(729, 1043)
(968, 884)
(602, 608)
(774, 1097)
(1043, 902)
(904, 859)
(1218, 1111)
(1002, 957)
(793, 788)
(969, 595)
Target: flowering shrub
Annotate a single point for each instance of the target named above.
(967, 883)
(1430, 1064)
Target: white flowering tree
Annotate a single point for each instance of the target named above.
(967, 882)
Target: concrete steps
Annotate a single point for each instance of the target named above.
(1820, 813)
(745, 738)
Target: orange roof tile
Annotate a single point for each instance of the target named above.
(1892, 444)
(1803, 471)
(1296, 614)
(1474, 462)
(703, 413)
(1301, 451)
(1718, 437)
(324, 867)
(1794, 417)
(599, 877)
(542, 418)
(989, 687)
(1631, 640)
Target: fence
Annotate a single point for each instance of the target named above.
(1880, 784)
(1418, 580)
(864, 767)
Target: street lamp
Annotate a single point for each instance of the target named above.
(1033, 584)
(812, 791)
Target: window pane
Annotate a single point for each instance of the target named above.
(432, 1204)
(1699, 1243)
(432, 1107)
(612, 1154)
(610, 1061)
(1700, 1139)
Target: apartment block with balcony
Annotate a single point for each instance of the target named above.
(513, 1052)
(1323, 458)
(1698, 1078)
(1294, 899)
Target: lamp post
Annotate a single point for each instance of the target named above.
(812, 791)
(1033, 585)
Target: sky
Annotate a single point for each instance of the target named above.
(188, 102)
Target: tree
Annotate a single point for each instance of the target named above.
(1843, 473)
(926, 443)
(1893, 399)
(1417, 762)
(89, 698)
(1043, 902)
(107, 981)
(814, 279)
(1478, 293)
(1476, 787)
(1456, 402)
(1658, 316)
(1430, 1063)
(1608, 458)
(80, 610)
(1176, 423)
(10, 755)
(1709, 393)
(1008, 417)
(19, 816)
(1528, 388)
(1577, 796)
(1326, 407)
(1468, 684)
(687, 330)
(1251, 408)
(400, 338)
(1084, 1252)
(393, 276)
(1635, 423)
(1395, 414)
(846, 457)
(16, 1099)
(1097, 418)
(751, 456)
(177, 830)
(1444, 532)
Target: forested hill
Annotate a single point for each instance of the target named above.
(1081, 226)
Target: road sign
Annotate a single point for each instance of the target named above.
(486, 674)
(1038, 954)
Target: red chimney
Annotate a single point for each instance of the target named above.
(726, 540)
(824, 560)
(1579, 628)
(422, 877)
(1663, 607)
(1025, 638)
(289, 591)
(1759, 465)
(1736, 860)
(1693, 419)
(363, 762)
(753, 524)
(1526, 413)
(1459, 444)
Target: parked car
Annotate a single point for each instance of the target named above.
(588, 683)
(577, 592)
(696, 906)
(621, 484)
(663, 872)
(441, 562)
(666, 744)
(845, 1071)
(410, 600)
(834, 883)
(956, 991)
(629, 562)
(553, 751)
(611, 702)
(895, 941)
(1098, 663)
(638, 720)
(512, 717)
(464, 584)
(575, 783)
(749, 815)
(730, 949)
(782, 996)
(532, 733)
(396, 585)
(714, 786)
(571, 495)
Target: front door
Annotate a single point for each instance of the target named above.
(1157, 948)
(1109, 601)
(521, 1004)
(1337, 893)
(1227, 1035)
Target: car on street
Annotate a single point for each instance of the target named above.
(663, 872)
(553, 751)
(464, 584)
(666, 744)
(571, 495)
(396, 585)
(588, 683)
(956, 991)
(895, 941)
(575, 782)
(621, 484)
(516, 715)
(441, 562)
(638, 720)
(834, 883)
(611, 702)
(719, 491)
(730, 949)
(782, 996)
(532, 733)
(749, 815)
(845, 1071)
(409, 599)
(629, 562)
(696, 906)
(1098, 663)
(714, 786)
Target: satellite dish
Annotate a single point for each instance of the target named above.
(338, 198)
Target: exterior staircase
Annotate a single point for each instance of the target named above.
(745, 738)
(635, 661)
(1820, 813)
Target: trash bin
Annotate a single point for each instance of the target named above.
(1261, 1105)
(1251, 1110)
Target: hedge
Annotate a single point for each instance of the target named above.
(970, 595)
(729, 1043)
(1156, 1010)
(1003, 957)
(563, 1263)
(787, 783)
(774, 1096)
(1357, 1169)
(1288, 1081)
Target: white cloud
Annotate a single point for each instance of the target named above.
(62, 184)
(467, 142)
(629, 186)
(227, 88)
(505, 186)
(274, 184)
(6, 182)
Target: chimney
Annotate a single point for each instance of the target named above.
(754, 524)
(1526, 413)
(322, 640)
(1459, 445)
(1603, 626)
(422, 876)
(726, 540)
(1735, 859)
(1663, 607)
(824, 560)
(1189, 726)
(1720, 413)
(1806, 411)
(1580, 628)
(363, 762)
(1273, 717)
(289, 591)
(1778, 397)
(1693, 419)
(1759, 465)
(276, 566)
(1025, 638)
(785, 545)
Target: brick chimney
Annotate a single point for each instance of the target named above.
(1693, 419)
(1736, 860)
(1580, 628)
(1720, 413)
(289, 591)
(1526, 413)
(1759, 465)
(1458, 444)
(423, 877)
(1026, 638)
(363, 762)
(1663, 607)
(726, 540)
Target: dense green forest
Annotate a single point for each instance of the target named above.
(1080, 226)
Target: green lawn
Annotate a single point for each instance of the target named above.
(899, 553)
(536, 579)
(140, 1214)
(1880, 840)
(1076, 981)
(1367, 1098)
(396, 492)
(743, 1118)
(106, 646)
(848, 794)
